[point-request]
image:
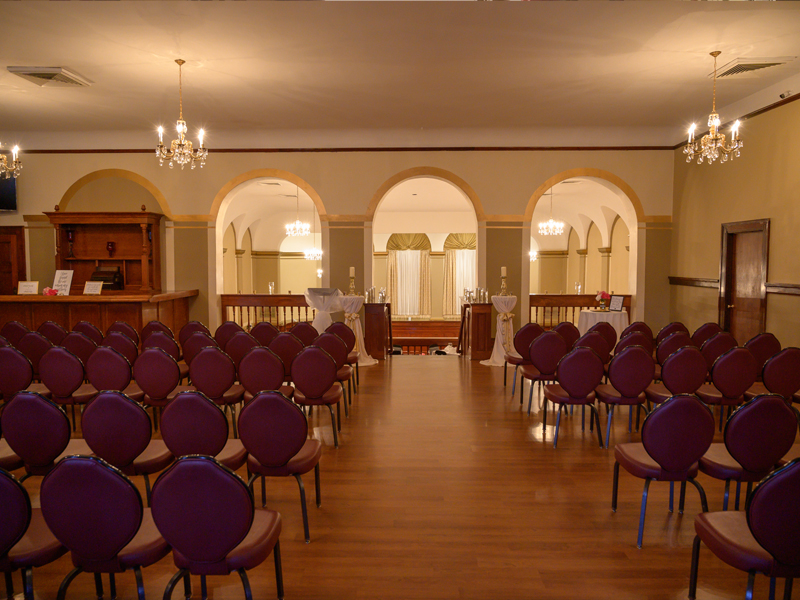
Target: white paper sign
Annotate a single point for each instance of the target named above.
(616, 303)
(92, 288)
(62, 282)
(27, 288)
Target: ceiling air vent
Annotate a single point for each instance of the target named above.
(51, 76)
(746, 66)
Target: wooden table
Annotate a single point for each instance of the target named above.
(377, 329)
(171, 308)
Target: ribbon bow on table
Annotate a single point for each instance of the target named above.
(350, 318)
(507, 329)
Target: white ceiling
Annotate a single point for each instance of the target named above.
(387, 74)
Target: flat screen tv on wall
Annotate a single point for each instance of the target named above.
(8, 194)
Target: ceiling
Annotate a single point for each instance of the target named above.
(387, 74)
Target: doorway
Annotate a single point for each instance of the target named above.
(12, 259)
(743, 278)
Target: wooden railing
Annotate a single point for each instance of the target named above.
(282, 310)
(548, 310)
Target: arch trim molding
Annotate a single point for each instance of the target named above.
(122, 174)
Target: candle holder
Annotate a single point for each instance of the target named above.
(70, 241)
(110, 246)
(352, 290)
(503, 287)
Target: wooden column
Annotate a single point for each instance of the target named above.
(480, 331)
(375, 330)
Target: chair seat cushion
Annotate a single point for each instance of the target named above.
(555, 393)
(727, 535)
(528, 371)
(251, 552)
(332, 396)
(657, 373)
(84, 393)
(711, 395)
(233, 455)
(636, 461)
(791, 455)
(609, 395)
(8, 460)
(757, 389)
(156, 457)
(147, 546)
(74, 446)
(353, 357)
(232, 395)
(513, 359)
(184, 369)
(37, 547)
(171, 395)
(719, 464)
(40, 388)
(657, 393)
(286, 390)
(345, 373)
(300, 463)
(134, 392)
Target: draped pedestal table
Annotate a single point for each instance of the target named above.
(589, 318)
(325, 301)
(504, 339)
(351, 306)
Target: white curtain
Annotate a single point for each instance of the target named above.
(465, 271)
(407, 294)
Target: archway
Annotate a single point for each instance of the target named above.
(106, 176)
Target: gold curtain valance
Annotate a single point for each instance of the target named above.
(461, 241)
(408, 241)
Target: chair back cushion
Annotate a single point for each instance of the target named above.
(635, 338)
(239, 345)
(734, 372)
(684, 371)
(61, 372)
(546, 350)
(212, 372)
(34, 345)
(305, 332)
(639, 326)
(678, 432)
(225, 332)
(717, 345)
(52, 331)
(580, 371)
(123, 344)
(569, 332)
(669, 345)
(16, 512)
(36, 429)
(107, 369)
(287, 347)
(632, 370)
(763, 346)
(781, 374)
(90, 330)
(4, 342)
(91, 508)
(669, 329)
(159, 339)
(261, 370)
(13, 331)
(190, 328)
(193, 424)
(607, 331)
(264, 332)
(80, 344)
(760, 433)
(345, 333)
(156, 373)
(154, 326)
(525, 336)
(196, 342)
(272, 428)
(595, 341)
(16, 372)
(773, 516)
(313, 372)
(704, 332)
(127, 329)
(203, 509)
(116, 428)
(333, 345)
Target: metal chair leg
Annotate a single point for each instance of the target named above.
(173, 582)
(530, 399)
(682, 501)
(187, 585)
(203, 588)
(9, 585)
(615, 487)
(233, 420)
(27, 583)
(544, 413)
(137, 571)
(642, 513)
(263, 492)
(112, 586)
(514, 382)
(98, 585)
(558, 422)
(276, 552)
(703, 501)
(771, 588)
(693, 571)
(727, 494)
(738, 492)
(248, 594)
(303, 506)
(147, 488)
(671, 495)
(751, 580)
(608, 426)
(333, 425)
(505, 372)
(317, 486)
(62, 589)
(787, 589)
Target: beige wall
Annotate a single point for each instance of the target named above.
(619, 260)
(297, 274)
(573, 263)
(347, 245)
(503, 249)
(266, 269)
(113, 194)
(192, 267)
(593, 277)
(379, 272)
(534, 277)
(230, 279)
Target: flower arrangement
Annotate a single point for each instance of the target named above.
(49, 292)
(602, 298)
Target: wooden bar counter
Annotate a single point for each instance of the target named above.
(137, 309)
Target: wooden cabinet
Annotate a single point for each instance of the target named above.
(129, 241)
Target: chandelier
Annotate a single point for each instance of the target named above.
(534, 255)
(298, 228)
(713, 144)
(181, 151)
(313, 253)
(551, 227)
(14, 168)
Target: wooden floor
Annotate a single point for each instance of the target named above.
(443, 488)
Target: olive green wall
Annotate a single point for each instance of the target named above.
(42, 257)
(503, 249)
(266, 269)
(191, 267)
(348, 251)
(658, 247)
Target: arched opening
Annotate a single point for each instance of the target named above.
(129, 190)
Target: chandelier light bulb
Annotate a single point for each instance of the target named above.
(551, 226)
(13, 169)
(181, 151)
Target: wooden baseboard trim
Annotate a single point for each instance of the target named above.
(694, 282)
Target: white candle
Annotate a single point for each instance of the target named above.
(202, 133)
(691, 133)
(14, 152)
(736, 130)
(160, 135)
(352, 271)
(502, 271)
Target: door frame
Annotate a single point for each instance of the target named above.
(17, 232)
(726, 258)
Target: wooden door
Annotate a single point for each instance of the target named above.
(743, 278)
(12, 258)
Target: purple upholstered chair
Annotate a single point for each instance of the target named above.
(213, 373)
(669, 329)
(107, 369)
(597, 342)
(704, 332)
(13, 332)
(159, 339)
(333, 345)
(578, 374)
(4, 342)
(761, 540)
(545, 352)
(63, 374)
(9, 460)
(193, 424)
(630, 372)
(38, 431)
(123, 344)
(639, 326)
(287, 347)
(635, 338)
(90, 330)
(16, 374)
(96, 512)
(225, 332)
(52, 331)
(80, 344)
(757, 435)
(25, 540)
(127, 329)
(305, 332)
(675, 435)
(732, 375)
(683, 372)
(671, 344)
(154, 326)
(261, 370)
(208, 541)
(569, 332)
(275, 433)
(196, 342)
(158, 375)
(607, 331)
(522, 343)
(34, 345)
(763, 346)
(780, 375)
(314, 376)
(190, 328)
(264, 332)
(349, 338)
(239, 345)
(717, 345)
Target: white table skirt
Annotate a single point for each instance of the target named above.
(324, 301)
(504, 338)
(351, 306)
(588, 318)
